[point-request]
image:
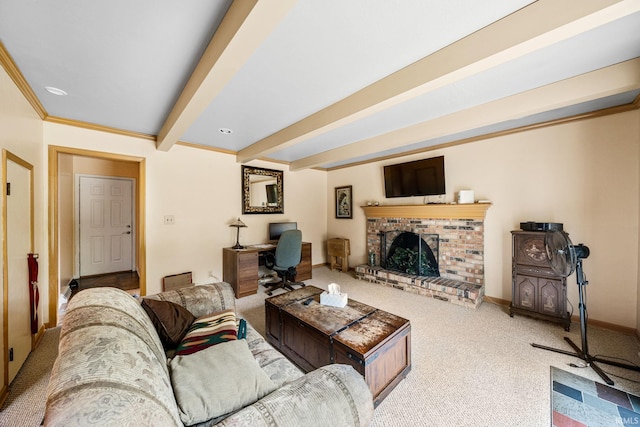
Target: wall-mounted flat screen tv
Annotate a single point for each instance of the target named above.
(418, 178)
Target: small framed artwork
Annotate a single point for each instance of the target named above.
(344, 200)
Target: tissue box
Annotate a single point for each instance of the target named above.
(333, 300)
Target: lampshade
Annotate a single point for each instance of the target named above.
(238, 223)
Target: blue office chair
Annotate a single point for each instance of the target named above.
(286, 259)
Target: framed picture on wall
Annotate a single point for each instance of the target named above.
(344, 200)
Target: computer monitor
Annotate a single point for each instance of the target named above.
(277, 228)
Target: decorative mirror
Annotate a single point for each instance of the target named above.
(262, 191)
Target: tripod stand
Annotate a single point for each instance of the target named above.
(584, 352)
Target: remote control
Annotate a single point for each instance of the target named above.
(307, 302)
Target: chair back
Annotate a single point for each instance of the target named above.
(289, 249)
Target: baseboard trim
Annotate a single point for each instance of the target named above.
(497, 301)
(328, 265)
(4, 393)
(36, 338)
(576, 318)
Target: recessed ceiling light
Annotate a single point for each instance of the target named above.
(225, 131)
(55, 91)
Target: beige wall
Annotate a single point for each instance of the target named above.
(202, 190)
(584, 174)
(21, 134)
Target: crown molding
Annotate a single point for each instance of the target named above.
(99, 128)
(14, 73)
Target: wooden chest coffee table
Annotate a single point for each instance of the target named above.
(376, 343)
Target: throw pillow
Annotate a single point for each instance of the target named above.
(217, 380)
(172, 321)
(208, 330)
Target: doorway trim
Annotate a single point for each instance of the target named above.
(140, 247)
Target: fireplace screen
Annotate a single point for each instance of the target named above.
(411, 253)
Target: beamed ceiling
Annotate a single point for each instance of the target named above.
(321, 83)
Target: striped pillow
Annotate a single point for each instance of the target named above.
(209, 330)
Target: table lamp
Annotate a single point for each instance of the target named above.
(238, 224)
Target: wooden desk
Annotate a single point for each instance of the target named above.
(240, 267)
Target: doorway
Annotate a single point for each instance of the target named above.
(64, 165)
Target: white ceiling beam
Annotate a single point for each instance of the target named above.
(532, 28)
(615, 79)
(244, 27)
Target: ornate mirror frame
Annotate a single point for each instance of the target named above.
(249, 176)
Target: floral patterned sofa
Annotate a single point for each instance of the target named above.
(112, 370)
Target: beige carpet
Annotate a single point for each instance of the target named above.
(470, 367)
(24, 406)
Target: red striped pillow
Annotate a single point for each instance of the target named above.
(209, 330)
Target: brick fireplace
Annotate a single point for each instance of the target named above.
(460, 231)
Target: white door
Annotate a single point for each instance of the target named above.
(105, 225)
(19, 240)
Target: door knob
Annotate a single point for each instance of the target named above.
(127, 232)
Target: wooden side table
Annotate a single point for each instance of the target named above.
(338, 252)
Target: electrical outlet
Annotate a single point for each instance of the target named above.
(169, 220)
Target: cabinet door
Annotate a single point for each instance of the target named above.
(551, 296)
(529, 249)
(526, 292)
(247, 273)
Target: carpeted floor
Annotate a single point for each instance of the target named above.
(24, 406)
(470, 367)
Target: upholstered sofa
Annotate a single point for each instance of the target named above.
(112, 370)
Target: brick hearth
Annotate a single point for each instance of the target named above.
(454, 291)
(461, 254)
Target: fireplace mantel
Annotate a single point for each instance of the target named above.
(429, 211)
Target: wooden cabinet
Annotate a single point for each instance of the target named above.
(240, 270)
(240, 267)
(536, 290)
